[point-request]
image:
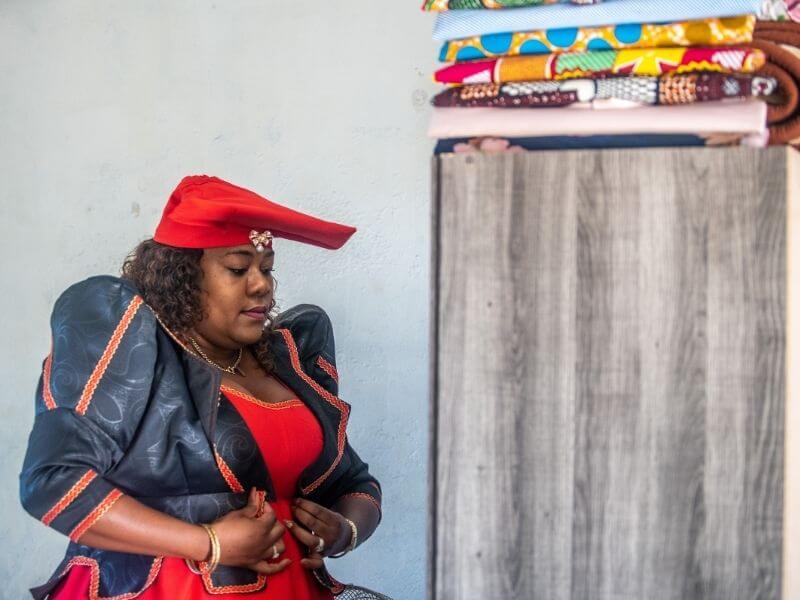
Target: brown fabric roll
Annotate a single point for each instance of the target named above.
(779, 41)
(542, 94)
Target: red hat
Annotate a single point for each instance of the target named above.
(207, 212)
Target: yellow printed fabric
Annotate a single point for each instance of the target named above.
(707, 32)
(634, 61)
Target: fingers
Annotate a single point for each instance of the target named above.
(276, 532)
(252, 506)
(268, 568)
(314, 510)
(314, 561)
(257, 506)
(265, 512)
(304, 536)
(263, 506)
(309, 520)
(279, 547)
(310, 507)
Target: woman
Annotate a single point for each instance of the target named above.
(187, 445)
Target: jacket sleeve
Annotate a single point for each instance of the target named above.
(312, 330)
(92, 393)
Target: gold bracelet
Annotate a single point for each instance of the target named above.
(353, 540)
(216, 550)
(192, 564)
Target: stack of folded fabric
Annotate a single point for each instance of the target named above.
(616, 73)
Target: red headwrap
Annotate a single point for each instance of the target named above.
(207, 212)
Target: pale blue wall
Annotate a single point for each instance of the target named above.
(105, 105)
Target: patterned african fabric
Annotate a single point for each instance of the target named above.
(667, 89)
(492, 4)
(511, 95)
(746, 117)
(573, 65)
(780, 10)
(458, 24)
(708, 32)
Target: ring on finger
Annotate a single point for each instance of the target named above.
(320, 546)
(275, 553)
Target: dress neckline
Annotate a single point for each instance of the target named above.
(250, 398)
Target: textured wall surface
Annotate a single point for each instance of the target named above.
(105, 105)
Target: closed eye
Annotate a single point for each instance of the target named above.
(240, 272)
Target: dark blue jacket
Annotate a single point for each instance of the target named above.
(123, 407)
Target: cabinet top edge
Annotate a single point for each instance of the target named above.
(770, 153)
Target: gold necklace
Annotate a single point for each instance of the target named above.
(233, 369)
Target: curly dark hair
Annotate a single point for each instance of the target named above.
(169, 279)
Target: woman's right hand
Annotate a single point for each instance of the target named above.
(246, 538)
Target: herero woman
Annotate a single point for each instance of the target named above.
(188, 440)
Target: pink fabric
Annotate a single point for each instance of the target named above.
(479, 71)
(749, 117)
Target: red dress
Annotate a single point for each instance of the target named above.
(289, 438)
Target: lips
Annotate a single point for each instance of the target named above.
(259, 313)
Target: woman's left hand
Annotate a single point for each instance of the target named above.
(312, 522)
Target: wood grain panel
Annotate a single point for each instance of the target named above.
(512, 320)
(609, 419)
(673, 273)
(791, 466)
(433, 413)
(744, 457)
(610, 388)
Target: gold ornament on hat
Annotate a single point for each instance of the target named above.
(260, 240)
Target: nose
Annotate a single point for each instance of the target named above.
(260, 284)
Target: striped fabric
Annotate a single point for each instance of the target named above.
(466, 23)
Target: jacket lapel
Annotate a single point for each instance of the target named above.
(203, 382)
(202, 379)
(331, 412)
(235, 449)
(237, 453)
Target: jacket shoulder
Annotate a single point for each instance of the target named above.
(104, 348)
(305, 320)
(101, 293)
(312, 332)
(97, 306)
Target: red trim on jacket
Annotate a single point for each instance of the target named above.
(227, 473)
(330, 398)
(365, 496)
(69, 497)
(108, 354)
(328, 368)
(244, 588)
(47, 393)
(94, 585)
(95, 515)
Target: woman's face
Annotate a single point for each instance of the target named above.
(236, 294)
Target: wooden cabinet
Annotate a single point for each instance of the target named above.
(614, 403)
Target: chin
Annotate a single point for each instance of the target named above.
(250, 335)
